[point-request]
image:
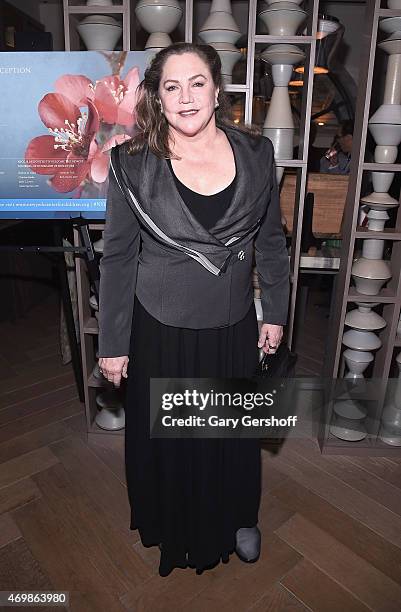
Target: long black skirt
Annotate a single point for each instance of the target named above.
(190, 495)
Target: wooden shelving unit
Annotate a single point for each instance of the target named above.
(389, 298)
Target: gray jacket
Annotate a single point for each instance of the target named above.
(183, 274)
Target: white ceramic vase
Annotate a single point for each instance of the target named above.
(360, 340)
(158, 17)
(364, 318)
(348, 416)
(99, 32)
(377, 220)
(391, 418)
(279, 123)
(282, 18)
(356, 362)
(222, 32)
(111, 415)
(370, 272)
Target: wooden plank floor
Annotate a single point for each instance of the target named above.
(331, 526)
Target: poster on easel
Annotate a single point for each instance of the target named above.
(60, 115)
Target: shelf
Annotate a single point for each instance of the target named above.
(384, 297)
(235, 88)
(91, 10)
(95, 429)
(388, 13)
(387, 234)
(369, 446)
(267, 38)
(290, 163)
(381, 167)
(91, 326)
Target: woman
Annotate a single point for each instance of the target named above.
(188, 199)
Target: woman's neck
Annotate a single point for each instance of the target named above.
(194, 146)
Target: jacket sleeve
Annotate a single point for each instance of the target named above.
(118, 271)
(271, 257)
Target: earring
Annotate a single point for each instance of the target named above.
(161, 107)
(216, 105)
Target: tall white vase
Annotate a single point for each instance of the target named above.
(279, 123)
(390, 432)
(222, 32)
(385, 123)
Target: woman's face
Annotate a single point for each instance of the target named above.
(187, 93)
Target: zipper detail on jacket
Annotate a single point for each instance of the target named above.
(199, 257)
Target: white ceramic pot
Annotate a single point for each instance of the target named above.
(158, 15)
(394, 4)
(372, 248)
(392, 91)
(283, 18)
(344, 430)
(281, 75)
(387, 114)
(391, 419)
(158, 40)
(391, 45)
(356, 362)
(390, 25)
(109, 399)
(99, 2)
(220, 27)
(382, 181)
(297, 2)
(364, 318)
(229, 56)
(350, 409)
(388, 437)
(379, 201)
(283, 141)
(386, 133)
(110, 420)
(368, 286)
(279, 113)
(374, 269)
(359, 340)
(283, 54)
(377, 220)
(347, 421)
(355, 365)
(385, 154)
(100, 32)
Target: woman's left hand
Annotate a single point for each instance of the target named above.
(270, 337)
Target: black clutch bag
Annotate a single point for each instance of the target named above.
(280, 364)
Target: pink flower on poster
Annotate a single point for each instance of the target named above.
(115, 98)
(76, 151)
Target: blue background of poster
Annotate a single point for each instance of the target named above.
(21, 93)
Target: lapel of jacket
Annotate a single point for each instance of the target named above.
(159, 198)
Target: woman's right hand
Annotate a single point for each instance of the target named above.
(113, 368)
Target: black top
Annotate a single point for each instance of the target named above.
(207, 209)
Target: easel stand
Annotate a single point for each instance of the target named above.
(58, 250)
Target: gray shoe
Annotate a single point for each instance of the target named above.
(247, 544)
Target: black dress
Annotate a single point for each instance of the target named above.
(190, 495)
